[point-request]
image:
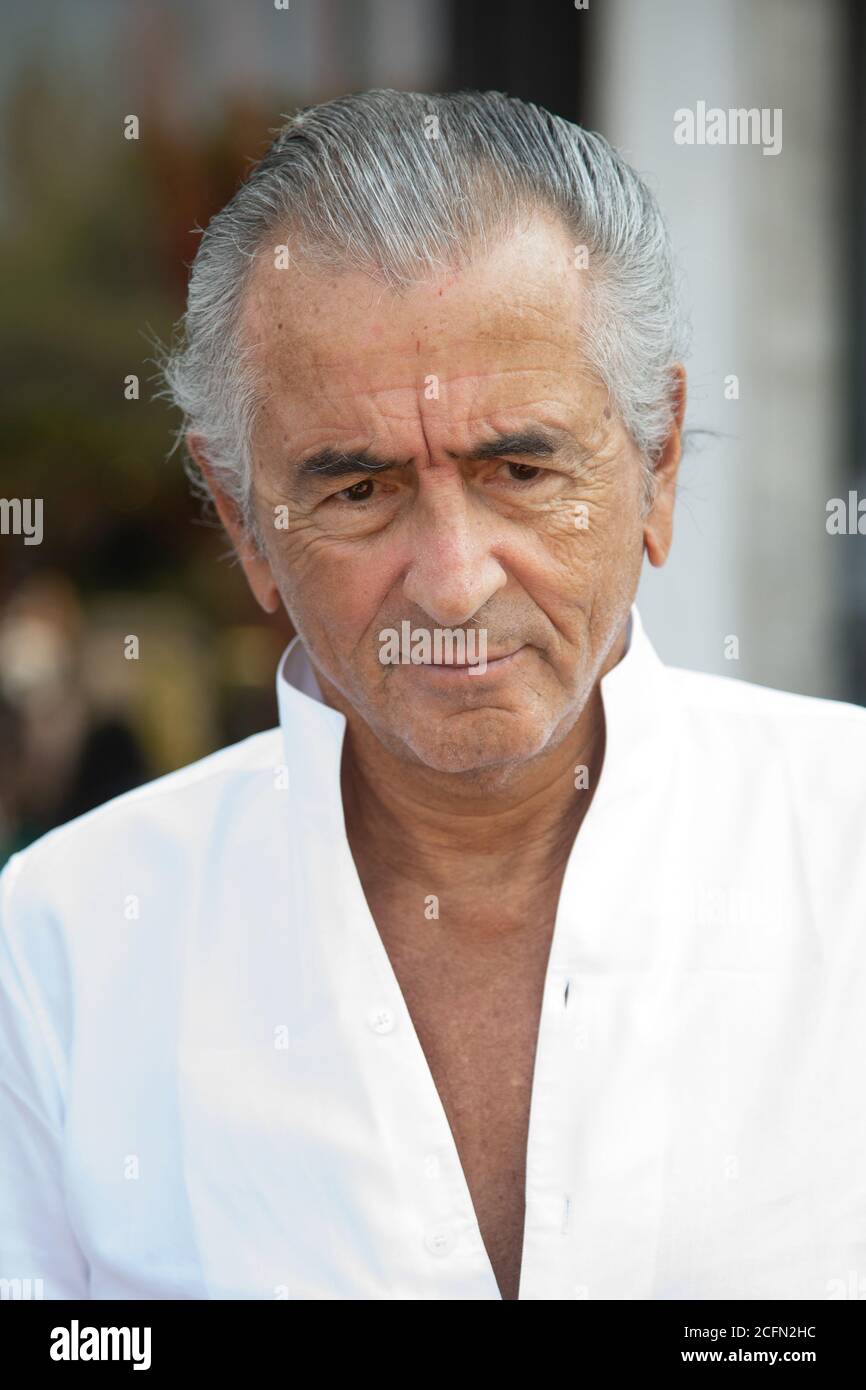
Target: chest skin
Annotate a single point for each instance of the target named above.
(474, 990)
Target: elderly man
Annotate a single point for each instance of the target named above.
(513, 964)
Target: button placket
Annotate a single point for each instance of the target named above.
(440, 1240)
(381, 1020)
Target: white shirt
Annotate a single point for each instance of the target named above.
(212, 1088)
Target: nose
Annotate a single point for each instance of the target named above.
(453, 571)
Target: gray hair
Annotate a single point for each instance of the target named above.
(401, 185)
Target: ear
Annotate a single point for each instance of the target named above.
(256, 567)
(659, 523)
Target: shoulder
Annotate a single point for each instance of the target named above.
(70, 902)
(741, 698)
(172, 808)
(741, 705)
(814, 749)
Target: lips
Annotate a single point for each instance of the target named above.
(473, 671)
(468, 665)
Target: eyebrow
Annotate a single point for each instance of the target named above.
(336, 463)
(536, 442)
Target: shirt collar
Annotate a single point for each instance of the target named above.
(632, 696)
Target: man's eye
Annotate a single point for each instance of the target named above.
(523, 472)
(358, 492)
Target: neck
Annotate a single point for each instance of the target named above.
(409, 823)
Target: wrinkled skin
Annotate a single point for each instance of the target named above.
(439, 539)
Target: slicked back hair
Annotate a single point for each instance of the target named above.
(401, 185)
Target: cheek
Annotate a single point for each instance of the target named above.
(333, 593)
(586, 536)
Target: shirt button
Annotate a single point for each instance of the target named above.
(381, 1020)
(440, 1241)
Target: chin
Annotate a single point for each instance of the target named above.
(481, 740)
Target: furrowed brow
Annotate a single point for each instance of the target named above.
(530, 443)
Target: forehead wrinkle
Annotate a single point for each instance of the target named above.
(308, 339)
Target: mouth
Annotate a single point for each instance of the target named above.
(469, 670)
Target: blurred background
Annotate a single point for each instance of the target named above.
(96, 233)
